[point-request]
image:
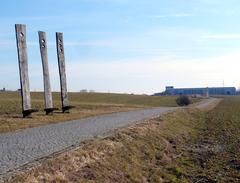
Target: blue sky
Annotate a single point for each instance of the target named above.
(128, 46)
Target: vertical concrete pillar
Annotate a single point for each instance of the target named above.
(23, 69)
(46, 76)
(62, 72)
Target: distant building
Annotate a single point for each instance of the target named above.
(83, 91)
(170, 90)
(3, 90)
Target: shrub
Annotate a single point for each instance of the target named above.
(183, 100)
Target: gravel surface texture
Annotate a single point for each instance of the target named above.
(20, 148)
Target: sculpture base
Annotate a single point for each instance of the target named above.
(27, 113)
(50, 110)
(66, 109)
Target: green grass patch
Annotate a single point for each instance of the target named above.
(10, 102)
(87, 104)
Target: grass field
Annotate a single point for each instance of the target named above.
(87, 104)
(189, 145)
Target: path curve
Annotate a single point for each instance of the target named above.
(208, 103)
(20, 148)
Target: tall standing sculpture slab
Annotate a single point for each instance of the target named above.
(46, 76)
(62, 72)
(23, 68)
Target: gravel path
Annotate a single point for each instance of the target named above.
(20, 148)
(208, 103)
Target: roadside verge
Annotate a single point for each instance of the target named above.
(142, 152)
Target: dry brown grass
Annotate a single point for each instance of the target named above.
(182, 146)
(87, 104)
(135, 154)
(10, 123)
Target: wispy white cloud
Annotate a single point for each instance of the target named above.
(177, 15)
(7, 43)
(155, 73)
(222, 36)
(90, 43)
(222, 12)
(123, 75)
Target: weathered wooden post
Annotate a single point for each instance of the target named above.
(62, 72)
(23, 69)
(46, 76)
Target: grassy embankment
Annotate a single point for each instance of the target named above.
(189, 145)
(88, 104)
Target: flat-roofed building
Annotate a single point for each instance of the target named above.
(170, 90)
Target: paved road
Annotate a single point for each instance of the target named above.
(20, 148)
(208, 103)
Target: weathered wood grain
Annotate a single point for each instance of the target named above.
(62, 70)
(46, 75)
(23, 66)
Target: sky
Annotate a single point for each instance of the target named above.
(126, 46)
